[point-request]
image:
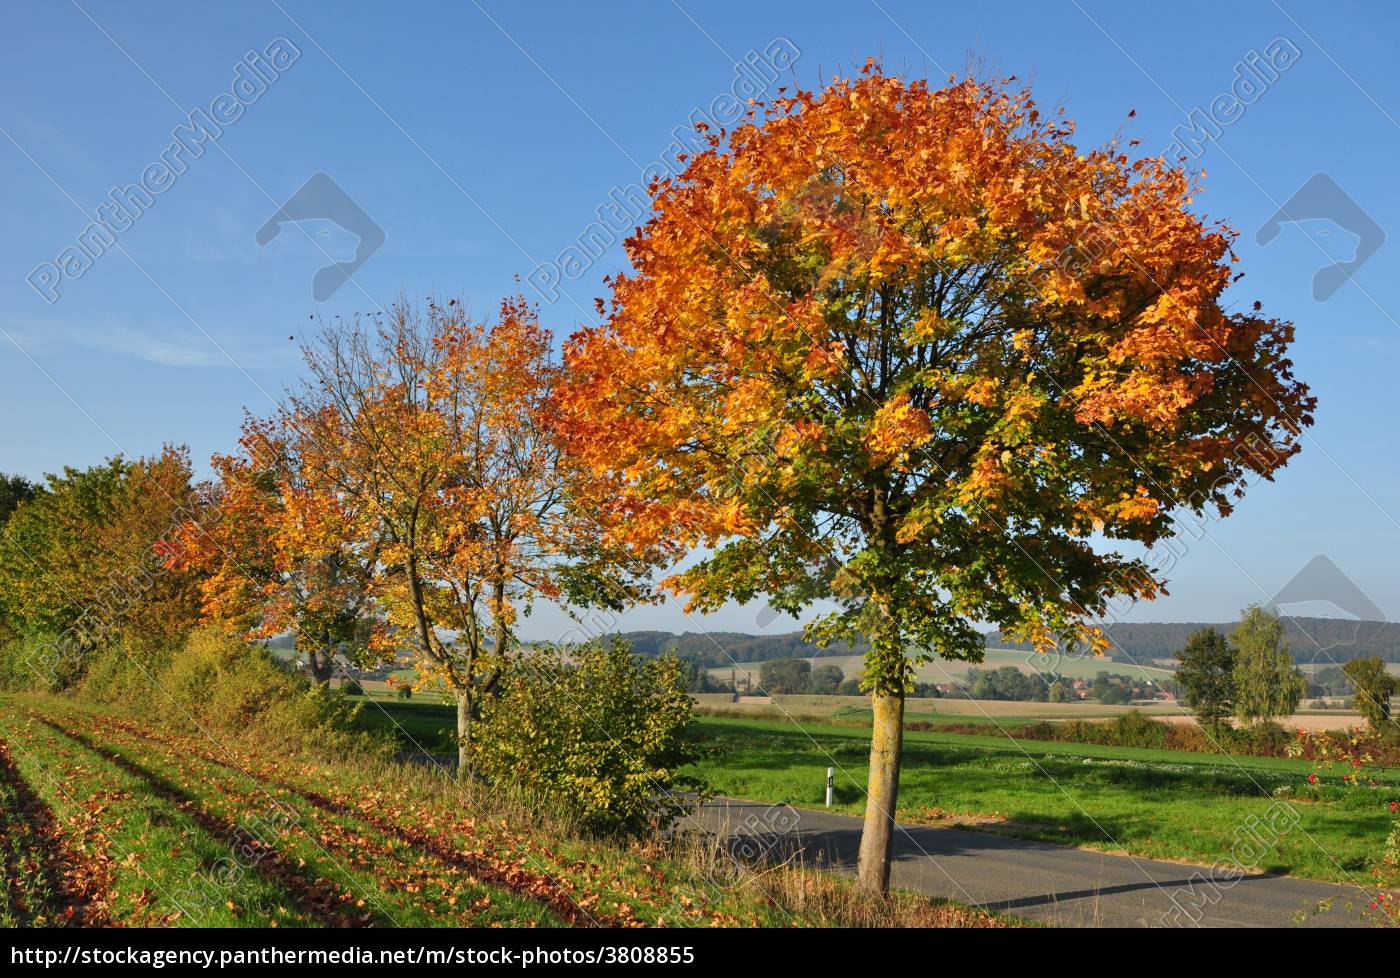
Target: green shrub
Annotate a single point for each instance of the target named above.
(1085, 732)
(1190, 737)
(1133, 729)
(41, 663)
(600, 732)
(219, 682)
(1041, 730)
(1265, 739)
(125, 671)
(14, 676)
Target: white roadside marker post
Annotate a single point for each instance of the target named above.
(830, 784)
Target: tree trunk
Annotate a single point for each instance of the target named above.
(877, 837)
(464, 734)
(498, 613)
(321, 666)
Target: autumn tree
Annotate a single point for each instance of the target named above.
(261, 577)
(1374, 688)
(422, 436)
(914, 352)
(14, 489)
(1267, 684)
(82, 562)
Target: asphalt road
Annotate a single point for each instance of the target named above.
(1039, 881)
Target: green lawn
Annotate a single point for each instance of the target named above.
(1160, 804)
(415, 724)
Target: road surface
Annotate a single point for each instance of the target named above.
(1039, 881)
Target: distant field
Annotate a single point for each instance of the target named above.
(419, 725)
(1322, 662)
(858, 707)
(378, 689)
(428, 723)
(947, 670)
(854, 709)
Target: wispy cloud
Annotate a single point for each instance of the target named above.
(153, 344)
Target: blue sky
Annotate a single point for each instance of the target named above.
(484, 138)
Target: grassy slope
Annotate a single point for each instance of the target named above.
(1153, 803)
(109, 819)
(169, 822)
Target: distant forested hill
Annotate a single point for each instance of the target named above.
(710, 648)
(1339, 638)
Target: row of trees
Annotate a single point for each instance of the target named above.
(411, 493)
(82, 562)
(1251, 675)
(103, 596)
(1005, 683)
(1010, 683)
(785, 676)
(716, 648)
(903, 351)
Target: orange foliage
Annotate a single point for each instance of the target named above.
(912, 348)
